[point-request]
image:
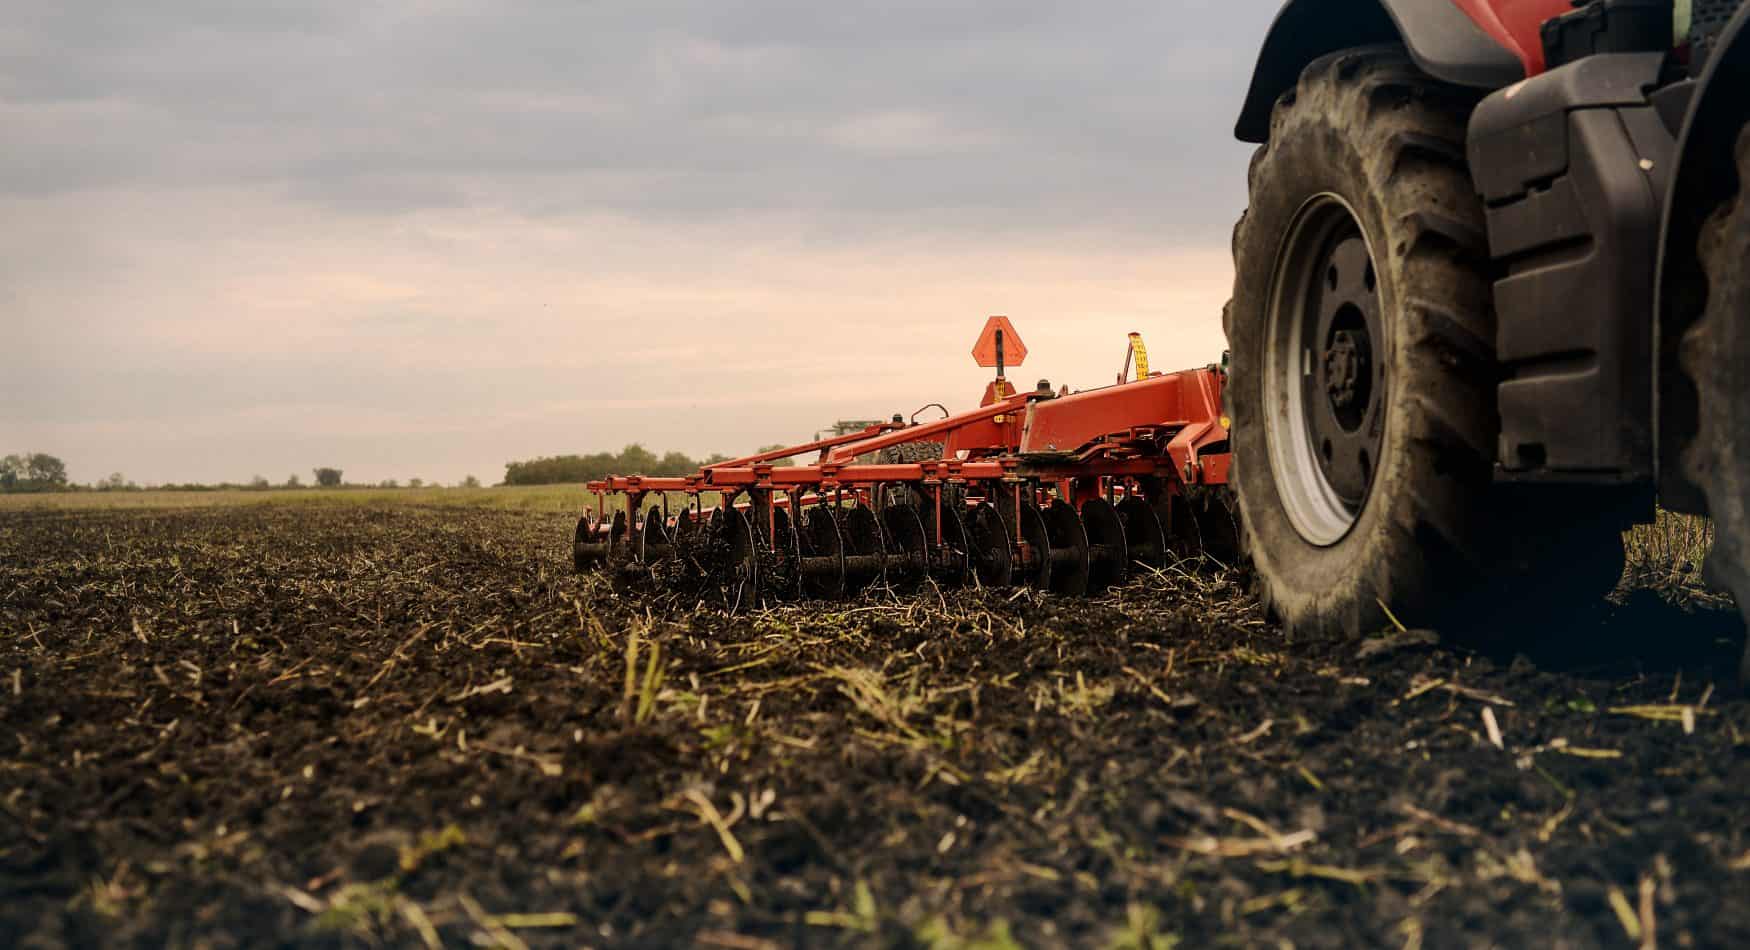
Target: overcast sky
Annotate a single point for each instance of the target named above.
(421, 239)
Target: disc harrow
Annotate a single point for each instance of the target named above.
(1065, 492)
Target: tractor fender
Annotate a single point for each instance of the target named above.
(1441, 39)
(1717, 109)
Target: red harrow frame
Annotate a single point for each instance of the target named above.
(1060, 491)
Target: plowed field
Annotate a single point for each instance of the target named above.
(415, 726)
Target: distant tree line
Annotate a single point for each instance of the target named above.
(634, 459)
(38, 472)
(31, 472)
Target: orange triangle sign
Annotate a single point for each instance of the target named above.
(985, 350)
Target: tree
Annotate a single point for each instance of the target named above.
(328, 477)
(416, 483)
(675, 463)
(388, 483)
(635, 459)
(470, 482)
(46, 470)
(115, 482)
(259, 483)
(293, 482)
(34, 471)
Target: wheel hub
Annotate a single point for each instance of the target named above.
(1345, 367)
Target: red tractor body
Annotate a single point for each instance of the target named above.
(1517, 25)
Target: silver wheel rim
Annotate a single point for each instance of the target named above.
(1317, 510)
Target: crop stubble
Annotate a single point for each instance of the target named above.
(413, 725)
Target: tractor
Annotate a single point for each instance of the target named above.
(1491, 303)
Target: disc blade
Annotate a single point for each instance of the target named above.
(653, 541)
(785, 575)
(950, 559)
(744, 557)
(617, 540)
(865, 548)
(1108, 557)
(904, 529)
(989, 548)
(1069, 549)
(1184, 539)
(1037, 551)
(825, 549)
(1143, 533)
(1218, 524)
(583, 544)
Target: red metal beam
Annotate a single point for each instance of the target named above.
(921, 433)
(1110, 432)
(818, 444)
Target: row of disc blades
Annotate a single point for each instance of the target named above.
(757, 552)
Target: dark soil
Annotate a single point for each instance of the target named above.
(334, 725)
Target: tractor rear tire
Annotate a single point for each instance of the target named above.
(1363, 379)
(1716, 355)
(1363, 465)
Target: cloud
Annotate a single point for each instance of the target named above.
(536, 225)
(706, 107)
(900, 131)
